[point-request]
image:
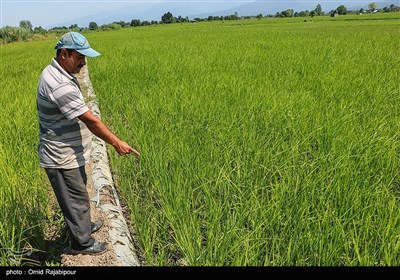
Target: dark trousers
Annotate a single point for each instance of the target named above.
(69, 186)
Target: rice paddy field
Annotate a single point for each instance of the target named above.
(271, 142)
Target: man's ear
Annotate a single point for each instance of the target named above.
(64, 54)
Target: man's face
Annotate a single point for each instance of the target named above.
(73, 61)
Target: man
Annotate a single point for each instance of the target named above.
(66, 125)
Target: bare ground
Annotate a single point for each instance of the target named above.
(106, 259)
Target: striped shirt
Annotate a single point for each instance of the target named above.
(64, 140)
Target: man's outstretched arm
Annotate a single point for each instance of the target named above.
(98, 128)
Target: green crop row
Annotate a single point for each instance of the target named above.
(23, 186)
(263, 142)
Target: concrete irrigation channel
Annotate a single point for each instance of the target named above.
(105, 201)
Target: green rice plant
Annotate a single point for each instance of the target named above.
(266, 142)
(23, 188)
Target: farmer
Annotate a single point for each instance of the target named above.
(66, 125)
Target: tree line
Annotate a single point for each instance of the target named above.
(25, 30)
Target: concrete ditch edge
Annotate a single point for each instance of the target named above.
(102, 178)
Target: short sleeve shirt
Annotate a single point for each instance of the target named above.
(64, 140)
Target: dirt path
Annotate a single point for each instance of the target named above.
(109, 257)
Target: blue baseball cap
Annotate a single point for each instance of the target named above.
(76, 41)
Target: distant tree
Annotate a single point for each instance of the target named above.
(210, 18)
(12, 34)
(342, 10)
(393, 8)
(25, 24)
(259, 16)
(180, 19)
(93, 25)
(287, 13)
(234, 16)
(167, 18)
(305, 13)
(74, 26)
(39, 30)
(318, 10)
(113, 25)
(122, 23)
(135, 22)
(372, 6)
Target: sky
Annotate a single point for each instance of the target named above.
(52, 13)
